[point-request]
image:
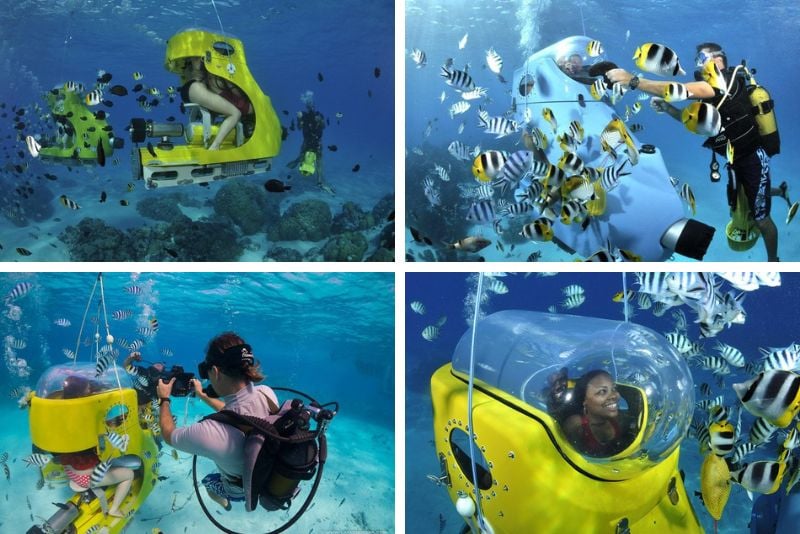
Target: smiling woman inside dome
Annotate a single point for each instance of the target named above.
(598, 427)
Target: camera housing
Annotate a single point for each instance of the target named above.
(183, 385)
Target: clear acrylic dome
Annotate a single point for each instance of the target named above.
(574, 48)
(52, 382)
(528, 355)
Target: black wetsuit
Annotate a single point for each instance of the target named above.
(311, 123)
(751, 162)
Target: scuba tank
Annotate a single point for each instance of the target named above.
(764, 113)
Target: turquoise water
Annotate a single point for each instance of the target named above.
(518, 28)
(291, 47)
(769, 323)
(294, 324)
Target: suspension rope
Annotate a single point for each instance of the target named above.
(478, 295)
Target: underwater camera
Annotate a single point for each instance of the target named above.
(182, 386)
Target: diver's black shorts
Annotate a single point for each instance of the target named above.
(752, 171)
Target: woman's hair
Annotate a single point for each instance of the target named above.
(579, 391)
(189, 70)
(240, 370)
(76, 386)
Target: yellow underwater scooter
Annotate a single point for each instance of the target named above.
(63, 426)
(531, 478)
(166, 164)
(82, 137)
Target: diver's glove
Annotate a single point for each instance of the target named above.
(659, 105)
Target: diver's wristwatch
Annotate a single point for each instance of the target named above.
(634, 83)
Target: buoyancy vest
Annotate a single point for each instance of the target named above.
(739, 125)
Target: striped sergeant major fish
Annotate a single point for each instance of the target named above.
(731, 354)
(742, 450)
(460, 151)
(18, 291)
(499, 126)
(98, 473)
(783, 359)
(611, 176)
(518, 208)
(481, 212)
(773, 395)
(761, 431)
(706, 404)
(457, 79)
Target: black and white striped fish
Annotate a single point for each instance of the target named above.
(135, 345)
(37, 459)
(518, 208)
(457, 79)
(418, 56)
(18, 291)
(103, 363)
(121, 315)
(611, 176)
(481, 212)
(499, 126)
(118, 441)
(742, 450)
(731, 354)
(783, 359)
(760, 477)
(145, 331)
(459, 150)
(18, 344)
(517, 165)
(773, 395)
(98, 473)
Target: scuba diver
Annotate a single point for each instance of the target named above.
(232, 370)
(311, 122)
(750, 149)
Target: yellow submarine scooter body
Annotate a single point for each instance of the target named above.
(60, 425)
(164, 164)
(81, 148)
(531, 478)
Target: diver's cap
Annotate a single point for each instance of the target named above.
(231, 358)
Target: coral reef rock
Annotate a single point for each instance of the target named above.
(161, 208)
(283, 254)
(93, 240)
(247, 205)
(309, 220)
(352, 219)
(349, 246)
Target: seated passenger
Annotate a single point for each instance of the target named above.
(215, 94)
(598, 428)
(78, 466)
(571, 64)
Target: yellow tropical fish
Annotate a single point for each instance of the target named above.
(713, 76)
(547, 113)
(715, 484)
(702, 118)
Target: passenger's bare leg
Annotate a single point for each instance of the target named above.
(199, 94)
